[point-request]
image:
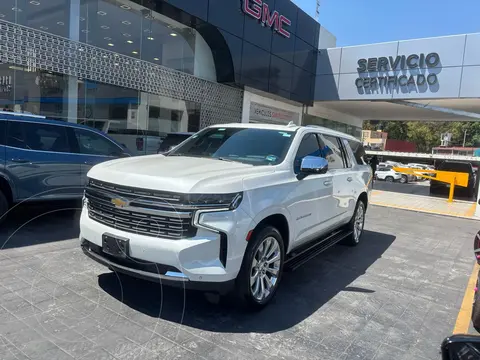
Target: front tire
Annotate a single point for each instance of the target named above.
(404, 179)
(262, 266)
(389, 179)
(356, 225)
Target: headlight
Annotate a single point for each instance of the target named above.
(231, 201)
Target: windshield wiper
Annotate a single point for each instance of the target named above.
(227, 159)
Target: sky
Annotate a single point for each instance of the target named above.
(357, 22)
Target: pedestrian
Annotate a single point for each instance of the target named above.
(373, 164)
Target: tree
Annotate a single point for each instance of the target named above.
(427, 134)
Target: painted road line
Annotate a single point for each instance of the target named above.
(463, 319)
(472, 209)
(426, 211)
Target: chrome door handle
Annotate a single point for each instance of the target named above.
(327, 183)
(349, 179)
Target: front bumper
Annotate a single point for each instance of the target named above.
(213, 255)
(170, 277)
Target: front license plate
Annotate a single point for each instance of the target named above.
(115, 246)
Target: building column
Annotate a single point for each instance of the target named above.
(70, 96)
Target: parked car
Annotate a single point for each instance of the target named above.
(387, 174)
(438, 187)
(172, 140)
(137, 141)
(229, 209)
(45, 159)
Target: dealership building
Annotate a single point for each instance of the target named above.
(163, 66)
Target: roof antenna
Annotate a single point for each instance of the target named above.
(291, 123)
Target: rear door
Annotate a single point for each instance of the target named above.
(94, 148)
(340, 167)
(41, 162)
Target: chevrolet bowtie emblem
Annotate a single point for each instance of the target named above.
(118, 202)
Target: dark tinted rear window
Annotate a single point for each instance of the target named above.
(455, 166)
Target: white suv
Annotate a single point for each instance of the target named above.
(387, 174)
(228, 208)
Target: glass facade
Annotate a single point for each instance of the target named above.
(334, 125)
(114, 65)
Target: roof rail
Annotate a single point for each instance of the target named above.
(21, 114)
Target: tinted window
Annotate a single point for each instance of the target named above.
(35, 136)
(252, 146)
(358, 151)
(334, 156)
(92, 143)
(15, 135)
(308, 147)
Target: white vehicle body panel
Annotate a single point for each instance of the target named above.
(312, 207)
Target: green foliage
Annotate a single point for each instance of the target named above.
(427, 134)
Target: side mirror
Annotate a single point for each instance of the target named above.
(312, 165)
(460, 347)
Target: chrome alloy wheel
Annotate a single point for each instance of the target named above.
(265, 268)
(358, 222)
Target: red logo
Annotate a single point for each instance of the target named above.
(259, 10)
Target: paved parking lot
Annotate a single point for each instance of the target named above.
(396, 296)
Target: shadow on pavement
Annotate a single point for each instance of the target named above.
(40, 223)
(301, 293)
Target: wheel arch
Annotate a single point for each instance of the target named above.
(280, 222)
(364, 197)
(7, 187)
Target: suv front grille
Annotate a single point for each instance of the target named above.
(139, 211)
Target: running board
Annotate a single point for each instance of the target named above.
(299, 257)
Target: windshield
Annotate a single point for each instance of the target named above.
(251, 146)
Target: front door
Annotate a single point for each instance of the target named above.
(41, 162)
(311, 200)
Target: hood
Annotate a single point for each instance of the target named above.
(177, 173)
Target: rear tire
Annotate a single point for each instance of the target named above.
(4, 207)
(404, 179)
(356, 225)
(261, 271)
(389, 179)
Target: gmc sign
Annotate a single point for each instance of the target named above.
(259, 10)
